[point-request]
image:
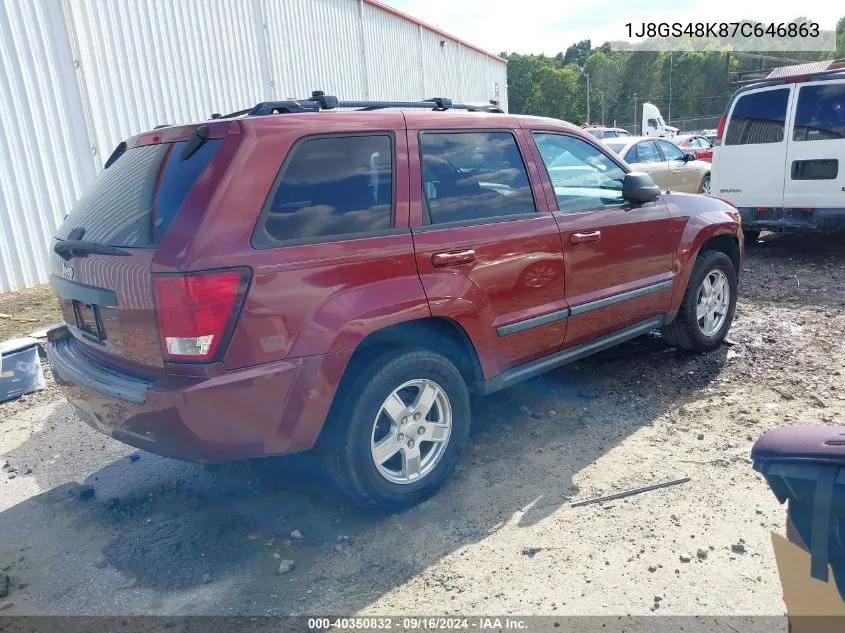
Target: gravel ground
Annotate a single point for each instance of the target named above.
(90, 526)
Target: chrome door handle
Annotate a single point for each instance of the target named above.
(583, 238)
(439, 260)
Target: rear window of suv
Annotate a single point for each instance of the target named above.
(330, 187)
(758, 118)
(133, 201)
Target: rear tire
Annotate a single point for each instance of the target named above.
(708, 307)
(395, 453)
(705, 185)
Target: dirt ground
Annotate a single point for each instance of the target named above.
(155, 536)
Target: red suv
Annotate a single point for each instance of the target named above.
(297, 277)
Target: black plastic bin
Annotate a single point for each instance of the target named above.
(805, 465)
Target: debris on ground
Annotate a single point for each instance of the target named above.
(632, 492)
(85, 492)
(531, 551)
(701, 554)
(685, 558)
(286, 566)
(5, 605)
(296, 535)
(738, 548)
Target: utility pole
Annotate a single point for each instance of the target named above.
(669, 116)
(635, 113)
(602, 108)
(584, 72)
(588, 97)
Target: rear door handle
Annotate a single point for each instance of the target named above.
(453, 259)
(583, 238)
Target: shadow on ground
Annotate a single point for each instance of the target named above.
(160, 536)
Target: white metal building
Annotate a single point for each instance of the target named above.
(79, 76)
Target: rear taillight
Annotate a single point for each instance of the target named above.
(197, 311)
(721, 129)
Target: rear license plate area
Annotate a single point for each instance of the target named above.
(88, 320)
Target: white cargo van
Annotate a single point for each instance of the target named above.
(780, 153)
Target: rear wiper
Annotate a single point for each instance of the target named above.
(80, 248)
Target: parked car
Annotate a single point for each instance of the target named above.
(668, 165)
(710, 135)
(696, 145)
(780, 152)
(606, 132)
(292, 279)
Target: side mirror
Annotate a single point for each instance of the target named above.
(639, 187)
(689, 157)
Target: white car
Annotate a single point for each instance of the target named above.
(780, 153)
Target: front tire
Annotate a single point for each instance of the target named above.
(398, 429)
(708, 307)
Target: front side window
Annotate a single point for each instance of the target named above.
(331, 187)
(671, 151)
(758, 118)
(820, 114)
(583, 177)
(647, 153)
(473, 176)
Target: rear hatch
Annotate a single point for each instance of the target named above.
(103, 252)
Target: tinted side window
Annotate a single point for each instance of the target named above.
(177, 178)
(331, 187)
(587, 180)
(758, 118)
(473, 176)
(820, 114)
(631, 155)
(647, 153)
(671, 151)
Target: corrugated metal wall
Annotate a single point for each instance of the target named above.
(78, 76)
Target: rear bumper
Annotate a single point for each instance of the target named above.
(269, 409)
(828, 220)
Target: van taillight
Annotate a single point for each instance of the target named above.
(721, 129)
(197, 311)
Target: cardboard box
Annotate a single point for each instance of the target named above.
(20, 368)
(813, 606)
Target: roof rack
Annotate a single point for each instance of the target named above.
(321, 101)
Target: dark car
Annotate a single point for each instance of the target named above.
(292, 279)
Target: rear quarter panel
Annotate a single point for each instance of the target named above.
(696, 219)
(304, 299)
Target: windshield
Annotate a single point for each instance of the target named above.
(616, 146)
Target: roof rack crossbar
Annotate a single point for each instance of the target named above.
(321, 101)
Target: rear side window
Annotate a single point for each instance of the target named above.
(647, 153)
(133, 202)
(758, 118)
(820, 114)
(330, 187)
(671, 151)
(473, 176)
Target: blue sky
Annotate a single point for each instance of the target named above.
(545, 26)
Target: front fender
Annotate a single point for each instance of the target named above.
(706, 218)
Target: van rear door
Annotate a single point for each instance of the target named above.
(815, 174)
(750, 165)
